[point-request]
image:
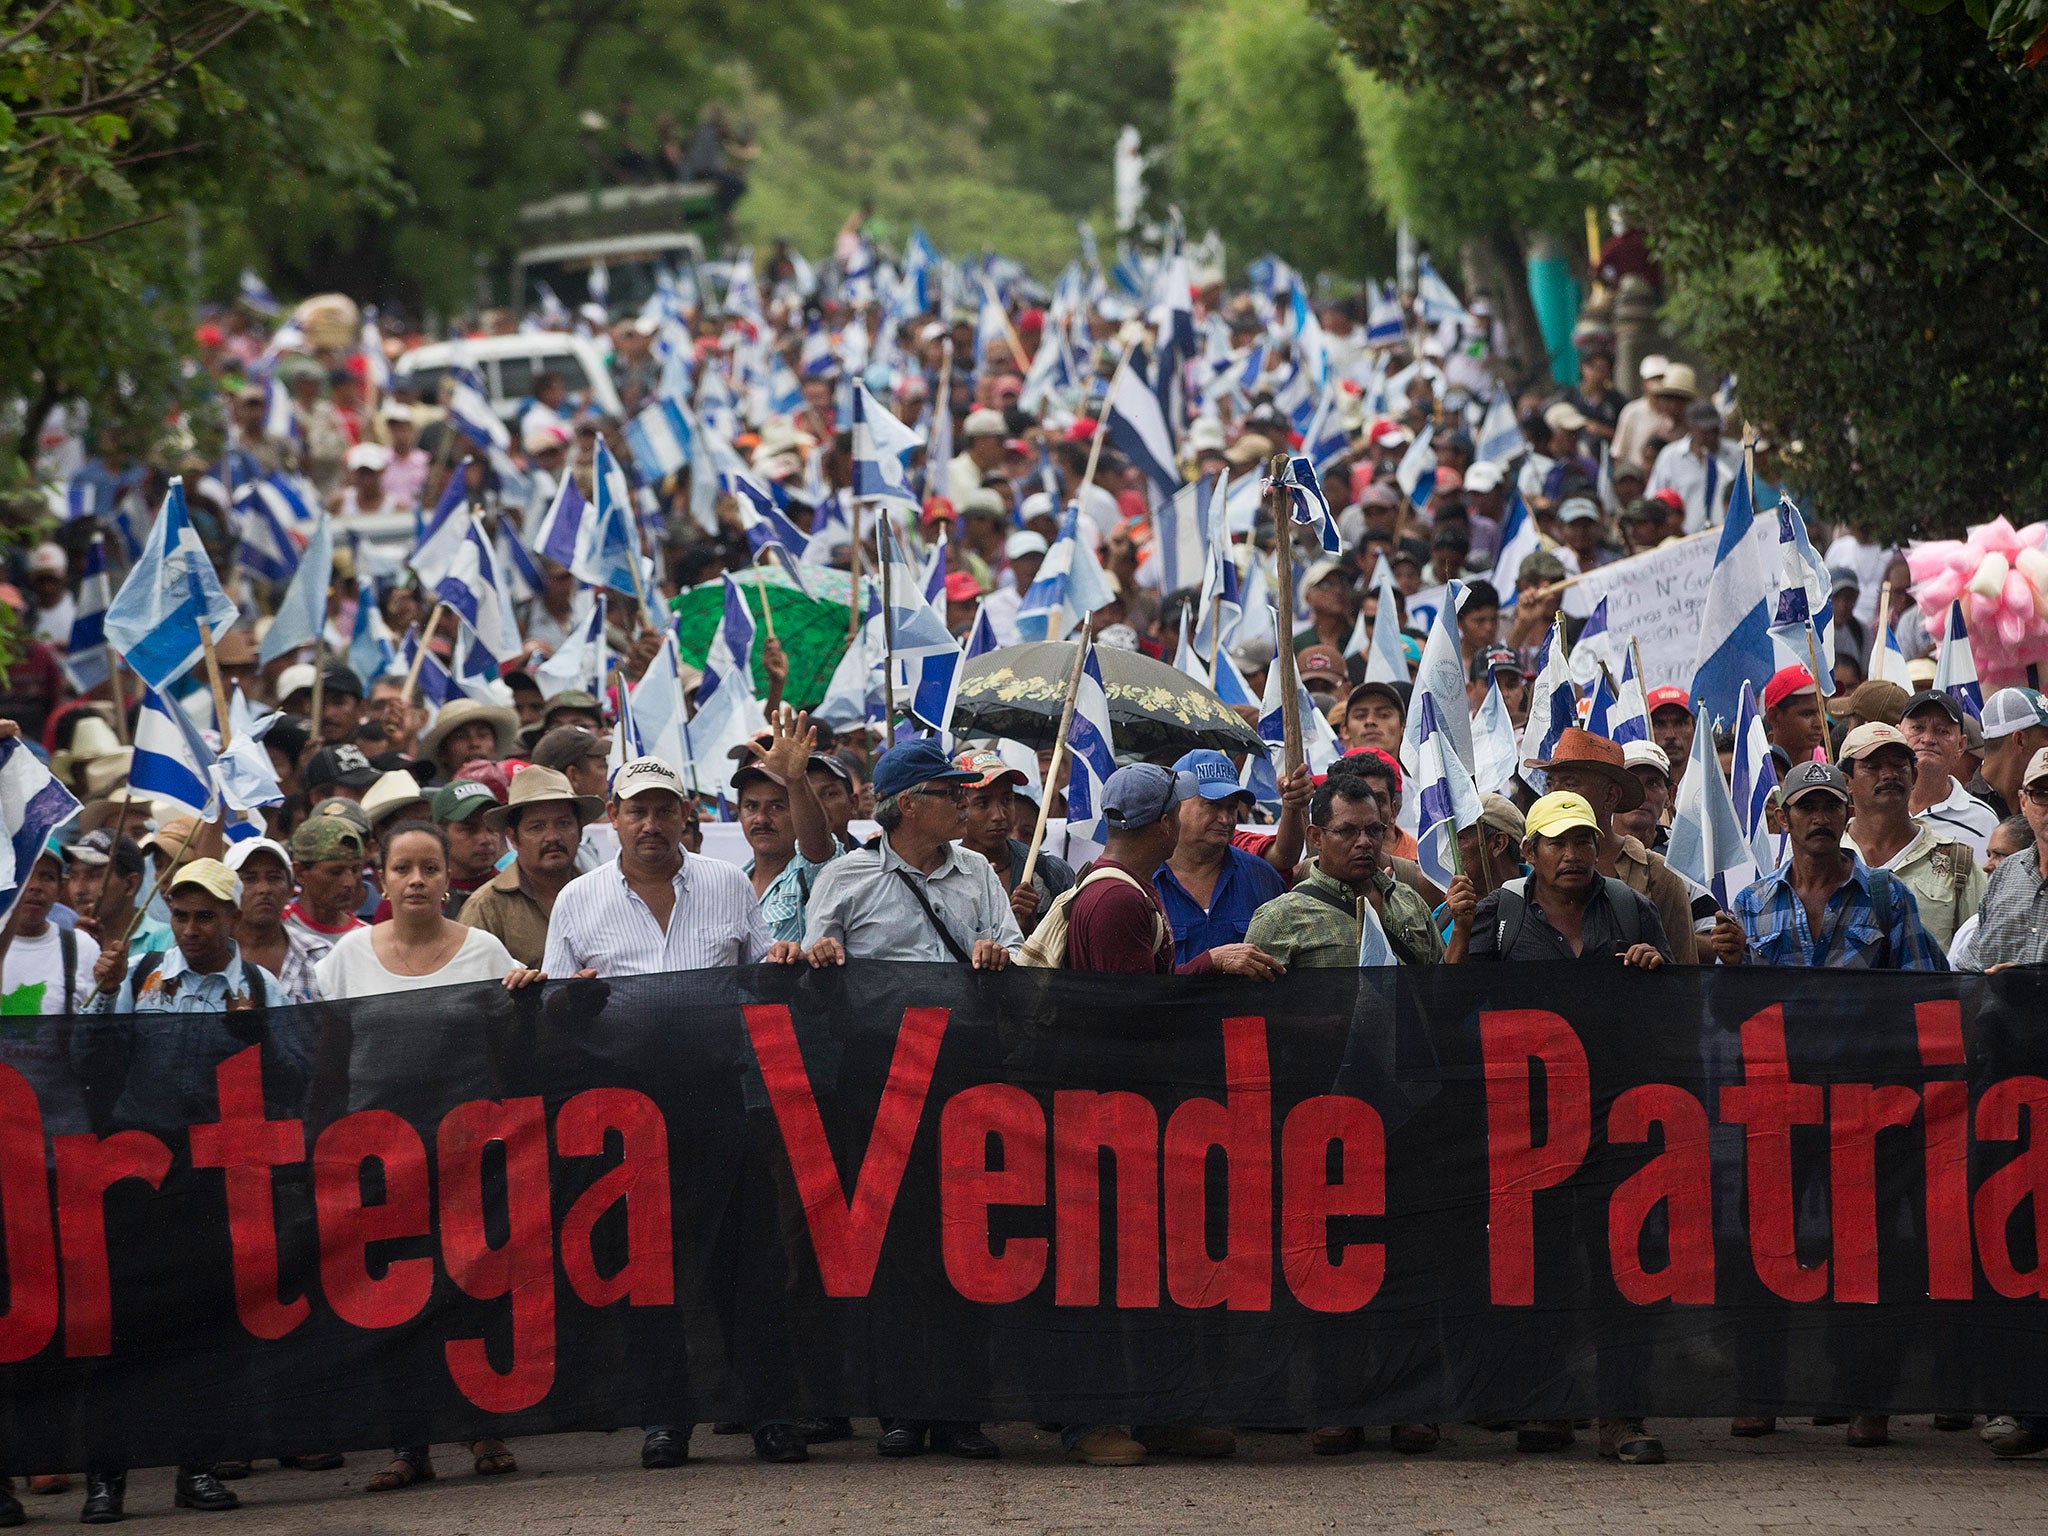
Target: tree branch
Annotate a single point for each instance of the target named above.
(144, 88)
(29, 246)
(36, 21)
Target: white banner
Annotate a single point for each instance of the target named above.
(1657, 597)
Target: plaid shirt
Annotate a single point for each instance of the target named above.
(1302, 931)
(2012, 924)
(1774, 918)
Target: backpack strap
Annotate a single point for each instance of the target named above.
(1628, 914)
(1100, 872)
(1514, 906)
(142, 970)
(1402, 952)
(1881, 904)
(67, 953)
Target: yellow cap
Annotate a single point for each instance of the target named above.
(1556, 814)
(211, 876)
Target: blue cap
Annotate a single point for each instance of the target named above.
(914, 763)
(1139, 795)
(1215, 779)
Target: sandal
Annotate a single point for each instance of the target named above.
(407, 1468)
(492, 1459)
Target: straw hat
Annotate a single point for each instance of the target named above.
(535, 785)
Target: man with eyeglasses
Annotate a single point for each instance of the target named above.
(2012, 923)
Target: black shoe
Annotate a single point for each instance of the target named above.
(729, 1427)
(664, 1448)
(198, 1488)
(1540, 1435)
(824, 1431)
(231, 1471)
(11, 1512)
(901, 1437)
(1954, 1423)
(780, 1442)
(106, 1497)
(322, 1461)
(965, 1441)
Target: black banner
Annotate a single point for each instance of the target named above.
(1348, 1197)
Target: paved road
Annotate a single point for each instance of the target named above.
(1801, 1480)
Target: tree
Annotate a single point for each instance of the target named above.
(1838, 190)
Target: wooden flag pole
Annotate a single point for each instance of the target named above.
(213, 680)
(1283, 637)
(164, 874)
(854, 607)
(767, 612)
(888, 636)
(1059, 749)
(1884, 620)
(319, 678)
(1102, 423)
(117, 684)
(419, 655)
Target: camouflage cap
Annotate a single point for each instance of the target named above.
(320, 838)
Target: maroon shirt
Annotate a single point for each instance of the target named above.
(1110, 927)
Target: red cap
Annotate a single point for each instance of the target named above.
(961, 587)
(1081, 430)
(937, 507)
(1670, 693)
(1384, 756)
(1785, 682)
(1669, 498)
(209, 336)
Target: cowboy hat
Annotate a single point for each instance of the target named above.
(461, 712)
(1582, 749)
(535, 785)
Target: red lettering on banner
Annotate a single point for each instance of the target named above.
(1084, 1124)
(1680, 1177)
(1769, 1104)
(87, 1167)
(246, 1145)
(2022, 1181)
(1516, 1164)
(1242, 1280)
(26, 1238)
(349, 1224)
(523, 1268)
(968, 1188)
(1856, 1113)
(648, 1277)
(847, 1235)
(1945, 1119)
(1308, 1201)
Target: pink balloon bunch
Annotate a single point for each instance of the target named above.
(2001, 576)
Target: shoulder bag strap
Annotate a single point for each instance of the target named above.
(938, 924)
(67, 951)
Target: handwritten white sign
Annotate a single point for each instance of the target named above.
(1658, 597)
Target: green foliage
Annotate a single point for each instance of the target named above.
(1801, 170)
(1266, 146)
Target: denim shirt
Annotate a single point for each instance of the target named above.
(1244, 884)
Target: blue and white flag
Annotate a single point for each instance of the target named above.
(762, 519)
(1309, 506)
(1755, 774)
(660, 714)
(578, 663)
(1630, 717)
(1707, 844)
(434, 684)
(1441, 674)
(1069, 585)
(1178, 524)
(728, 713)
(1601, 705)
(608, 543)
(1433, 296)
(1955, 665)
(370, 650)
(1888, 659)
(933, 582)
(1448, 801)
(475, 586)
(1802, 619)
(172, 760)
(243, 774)
(33, 805)
(1519, 539)
(1138, 427)
(256, 294)
(662, 439)
(1500, 434)
(1416, 473)
(1593, 651)
(1735, 637)
(1319, 744)
(153, 621)
(1553, 703)
(87, 660)
(1221, 606)
(1092, 746)
(561, 526)
(1384, 323)
(938, 457)
(270, 509)
(1386, 658)
(923, 651)
(880, 443)
(1495, 750)
(302, 613)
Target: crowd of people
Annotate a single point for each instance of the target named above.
(509, 839)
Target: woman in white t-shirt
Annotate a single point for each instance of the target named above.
(414, 949)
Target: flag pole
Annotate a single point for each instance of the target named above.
(419, 654)
(1884, 620)
(854, 608)
(1283, 634)
(164, 874)
(767, 613)
(320, 670)
(1102, 422)
(883, 541)
(213, 680)
(118, 686)
(1059, 749)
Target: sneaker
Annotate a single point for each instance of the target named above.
(1998, 1424)
(2019, 1441)
(1629, 1442)
(1109, 1447)
(1186, 1440)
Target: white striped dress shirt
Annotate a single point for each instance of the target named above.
(599, 923)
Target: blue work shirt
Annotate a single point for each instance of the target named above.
(1245, 884)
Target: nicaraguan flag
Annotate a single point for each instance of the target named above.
(434, 684)
(1091, 743)
(561, 526)
(270, 508)
(1519, 539)
(727, 711)
(1553, 704)
(1311, 506)
(1802, 619)
(1500, 435)
(172, 760)
(1069, 583)
(660, 714)
(1177, 542)
(1888, 659)
(1630, 717)
(1384, 324)
(33, 805)
(1494, 748)
(1449, 801)
(370, 650)
(86, 654)
(1755, 773)
(1955, 668)
(1707, 844)
(153, 621)
(578, 663)
(474, 585)
(1433, 296)
(662, 438)
(256, 293)
(880, 443)
(1416, 473)
(1441, 674)
(1221, 606)
(1735, 637)
(302, 613)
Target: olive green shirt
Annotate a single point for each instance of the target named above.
(1301, 929)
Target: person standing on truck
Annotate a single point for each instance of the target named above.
(716, 152)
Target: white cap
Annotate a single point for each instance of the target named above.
(1205, 435)
(539, 435)
(1483, 476)
(296, 678)
(1578, 509)
(48, 559)
(240, 853)
(368, 456)
(1653, 366)
(647, 773)
(984, 423)
(1023, 543)
(1037, 504)
(1646, 754)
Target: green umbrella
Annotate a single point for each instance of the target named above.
(812, 630)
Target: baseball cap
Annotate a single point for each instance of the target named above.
(647, 773)
(961, 587)
(1878, 700)
(47, 559)
(1319, 661)
(1578, 509)
(1786, 682)
(1213, 777)
(1539, 566)
(1502, 658)
(1808, 778)
(1646, 754)
(1482, 477)
(1668, 696)
(1558, 813)
(1652, 367)
(1023, 544)
(1501, 814)
(242, 852)
(212, 877)
(96, 848)
(1869, 736)
(988, 768)
(2037, 769)
(320, 838)
(1391, 692)
(567, 744)
(1139, 795)
(914, 763)
(2010, 711)
(344, 810)
(1564, 417)
(1933, 698)
(461, 800)
(984, 423)
(344, 765)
